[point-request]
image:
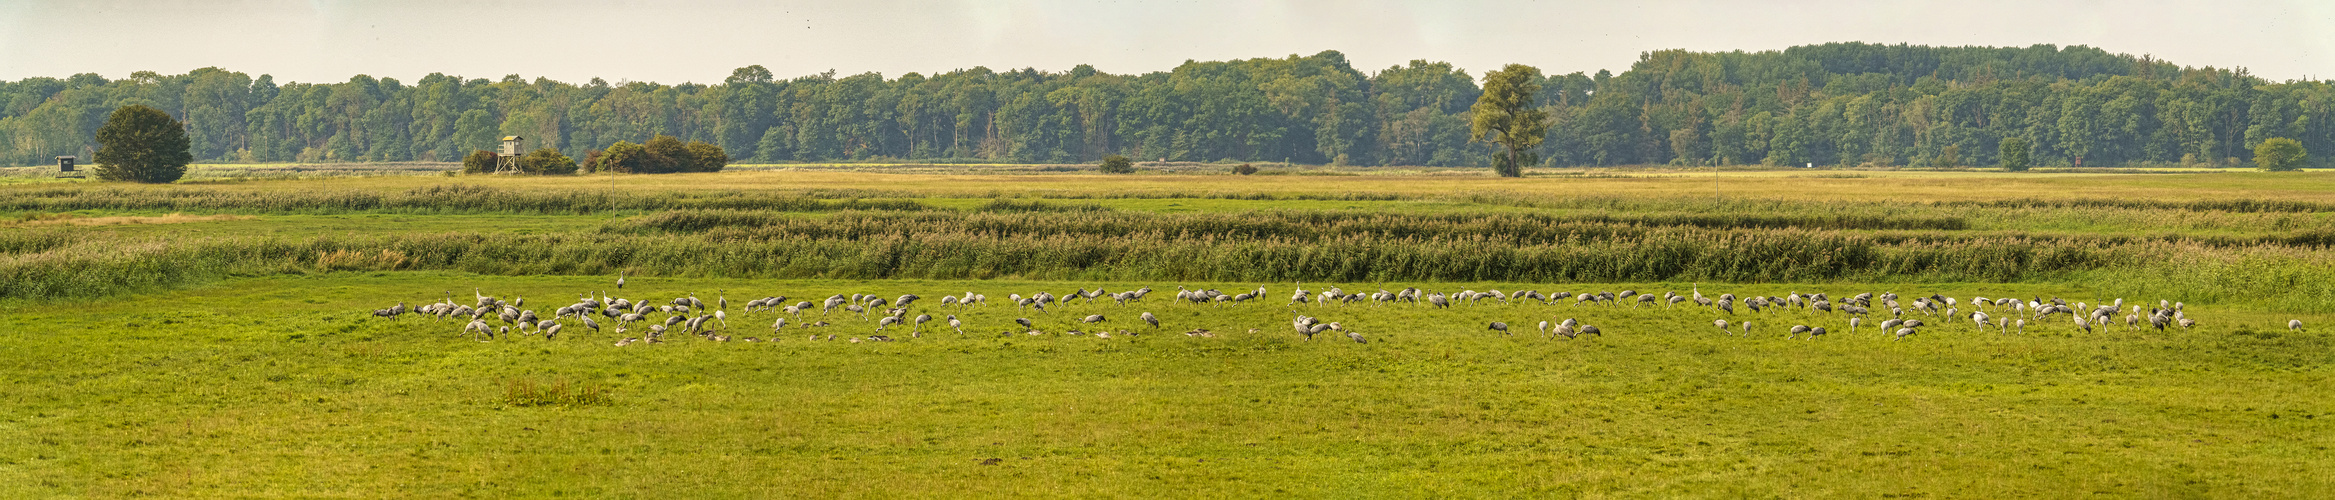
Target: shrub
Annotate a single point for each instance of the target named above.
(479, 162)
(666, 154)
(1245, 169)
(547, 161)
(662, 154)
(621, 157)
(704, 157)
(1116, 164)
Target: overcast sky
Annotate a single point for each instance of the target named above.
(673, 41)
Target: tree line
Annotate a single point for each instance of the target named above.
(1832, 104)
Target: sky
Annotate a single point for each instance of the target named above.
(673, 41)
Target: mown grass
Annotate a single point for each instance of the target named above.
(286, 387)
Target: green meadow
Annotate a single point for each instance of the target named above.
(217, 338)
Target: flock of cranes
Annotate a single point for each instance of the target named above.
(486, 318)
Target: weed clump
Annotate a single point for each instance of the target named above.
(526, 393)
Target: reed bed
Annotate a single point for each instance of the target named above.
(1519, 227)
(2248, 250)
(2294, 278)
(2027, 214)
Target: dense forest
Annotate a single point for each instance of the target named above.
(1833, 104)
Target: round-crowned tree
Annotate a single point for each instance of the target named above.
(2280, 154)
(141, 144)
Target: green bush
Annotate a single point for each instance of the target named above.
(662, 154)
(1116, 164)
(479, 162)
(547, 161)
(704, 157)
(1245, 169)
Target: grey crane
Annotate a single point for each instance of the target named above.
(1813, 333)
(959, 326)
(1499, 327)
(620, 280)
(921, 319)
(1796, 331)
(2294, 324)
(1591, 330)
(1025, 322)
(1853, 321)
(1357, 337)
(1148, 318)
(1310, 331)
(775, 326)
(1093, 318)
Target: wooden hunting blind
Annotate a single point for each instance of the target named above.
(507, 160)
(65, 166)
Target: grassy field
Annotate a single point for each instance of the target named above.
(214, 338)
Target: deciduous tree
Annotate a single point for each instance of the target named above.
(1505, 115)
(2014, 154)
(2280, 154)
(142, 144)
